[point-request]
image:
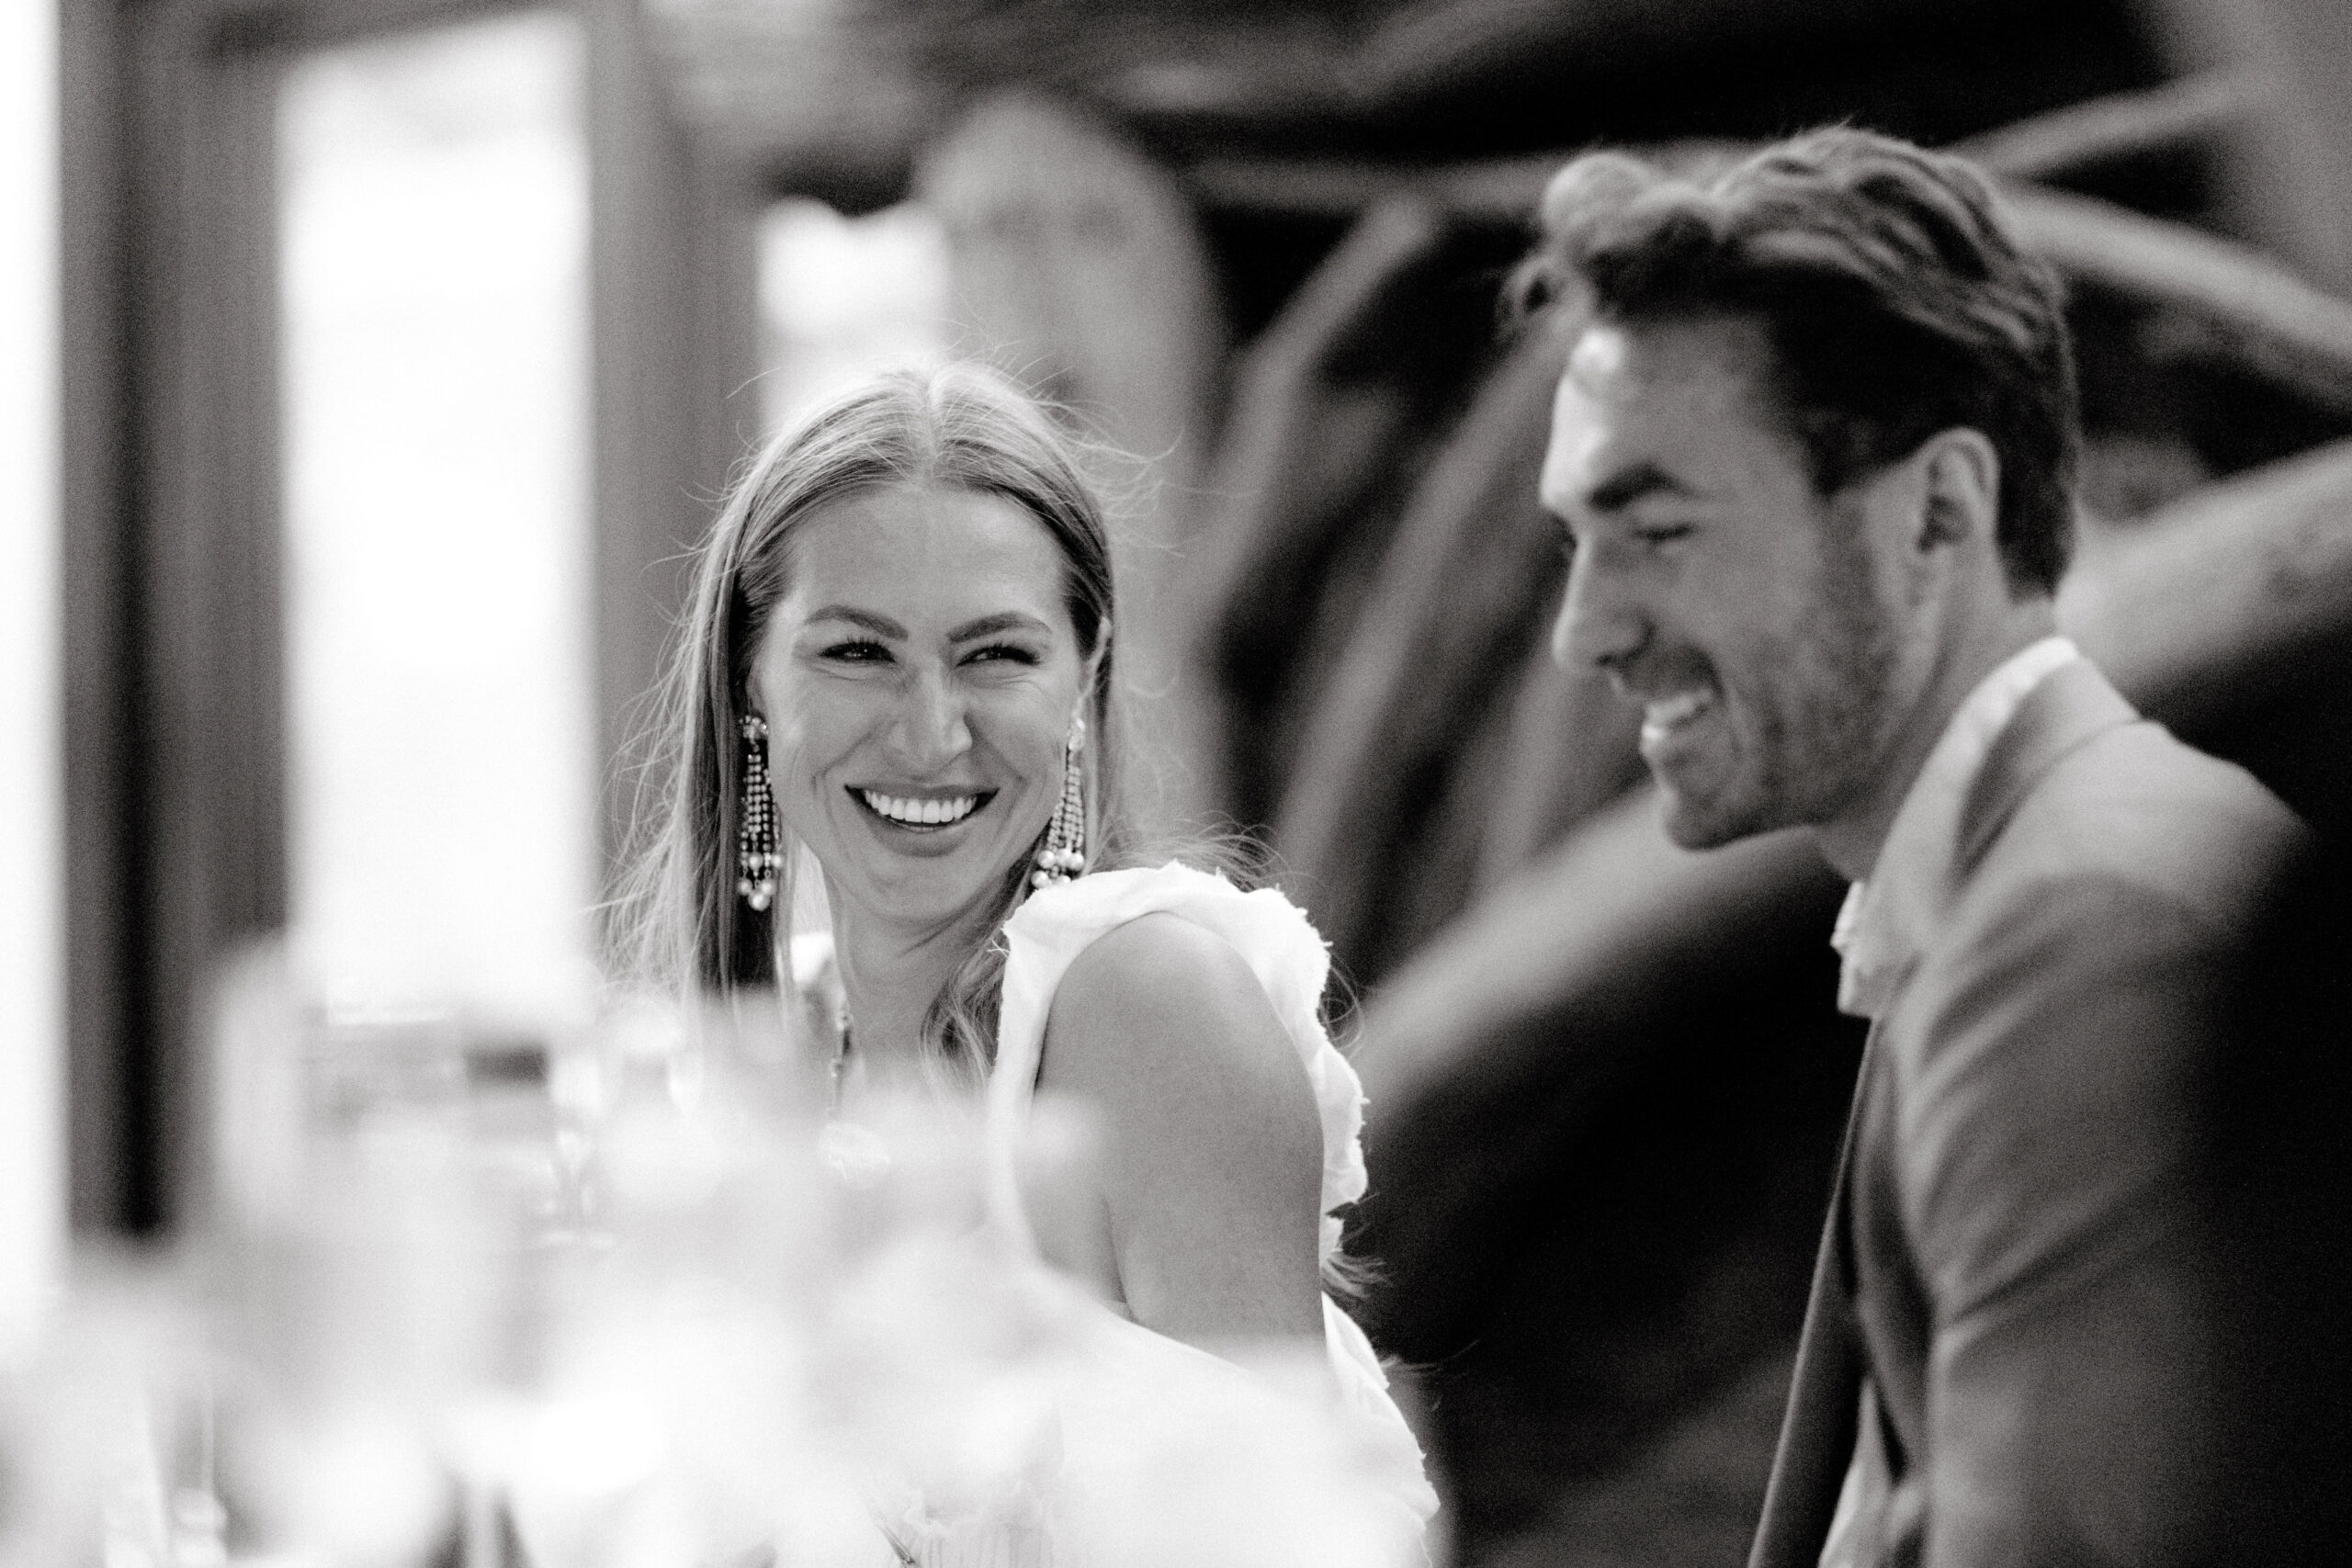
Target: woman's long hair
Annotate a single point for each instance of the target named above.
(679, 925)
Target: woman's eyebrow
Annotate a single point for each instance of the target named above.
(988, 625)
(881, 626)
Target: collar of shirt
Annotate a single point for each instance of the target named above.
(1889, 919)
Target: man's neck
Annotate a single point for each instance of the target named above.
(1850, 842)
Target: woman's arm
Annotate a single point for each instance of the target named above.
(1210, 1169)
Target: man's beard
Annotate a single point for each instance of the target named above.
(1818, 730)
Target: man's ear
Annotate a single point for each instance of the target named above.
(1960, 476)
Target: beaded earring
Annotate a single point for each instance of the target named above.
(1064, 854)
(756, 859)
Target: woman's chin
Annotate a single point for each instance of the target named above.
(924, 890)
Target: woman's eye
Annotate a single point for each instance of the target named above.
(1001, 652)
(862, 652)
(1663, 533)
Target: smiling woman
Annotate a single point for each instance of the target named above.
(900, 658)
(908, 597)
(922, 679)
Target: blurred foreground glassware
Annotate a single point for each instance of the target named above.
(477, 1268)
(674, 1423)
(593, 1287)
(105, 1445)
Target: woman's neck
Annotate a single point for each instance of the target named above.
(890, 976)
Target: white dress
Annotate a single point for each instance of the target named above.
(1273, 937)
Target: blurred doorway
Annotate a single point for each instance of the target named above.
(406, 343)
(433, 281)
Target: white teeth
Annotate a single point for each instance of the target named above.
(1668, 712)
(920, 813)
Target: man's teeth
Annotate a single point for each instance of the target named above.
(920, 813)
(1668, 712)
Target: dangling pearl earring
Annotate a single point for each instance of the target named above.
(756, 860)
(1064, 854)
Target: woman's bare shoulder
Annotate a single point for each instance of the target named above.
(1210, 1165)
(1160, 1002)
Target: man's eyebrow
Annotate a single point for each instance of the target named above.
(1004, 621)
(1621, 489)
(881, 626)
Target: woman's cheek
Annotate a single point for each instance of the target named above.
(1027, 727)
(828, 719)
(799, 757)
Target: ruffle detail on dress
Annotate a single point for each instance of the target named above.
(1272, 934)
(1393, 1452)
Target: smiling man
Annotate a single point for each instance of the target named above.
(1814, 452)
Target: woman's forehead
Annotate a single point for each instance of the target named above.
(930, 551)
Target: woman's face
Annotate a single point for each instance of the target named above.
(919, 680)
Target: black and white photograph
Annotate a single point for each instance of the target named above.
(1175, 783)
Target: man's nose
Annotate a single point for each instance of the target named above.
(1601, 621)
(932, 730)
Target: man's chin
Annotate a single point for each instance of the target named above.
(1705, 824)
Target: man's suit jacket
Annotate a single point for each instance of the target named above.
(2012, 1311)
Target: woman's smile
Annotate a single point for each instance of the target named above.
(922, 811)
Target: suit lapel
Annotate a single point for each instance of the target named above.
(1825, 1395)
(2072, 705)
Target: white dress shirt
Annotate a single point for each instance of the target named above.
(1889, 919)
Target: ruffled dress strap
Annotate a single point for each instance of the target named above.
(1282, 949)
(1273, 937)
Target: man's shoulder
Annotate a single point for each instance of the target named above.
(2137, 817)
(2076, 980)
(2134, 863)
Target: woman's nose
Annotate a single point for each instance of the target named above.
(933, 729)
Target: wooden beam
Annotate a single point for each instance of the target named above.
(2291, 163)
(2195, 109)
(1450, 610)
(1269, 497)
(1504, 189)
(2223, 592)
(2259, 312)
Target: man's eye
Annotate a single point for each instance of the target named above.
(1662, 533)
(863, 651)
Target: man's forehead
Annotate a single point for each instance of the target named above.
(1714, 353)
(1666, 397)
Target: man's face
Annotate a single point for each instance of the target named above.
(1744, 611)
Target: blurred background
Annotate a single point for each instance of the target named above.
(368, 368)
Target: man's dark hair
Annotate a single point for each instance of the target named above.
(1895, 298)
